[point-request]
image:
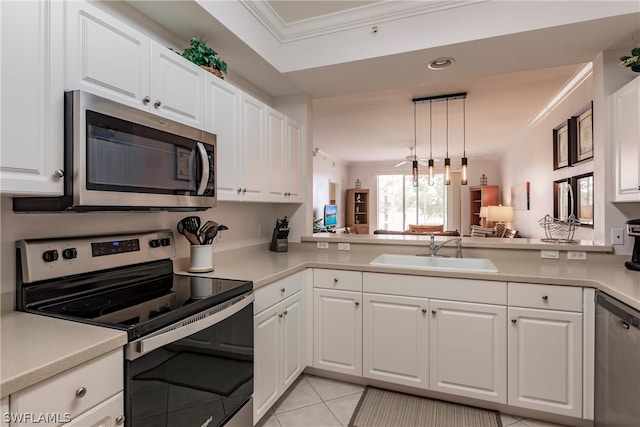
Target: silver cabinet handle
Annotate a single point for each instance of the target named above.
(244, 190)
(146, 100)
(433, 312)
(239, 190)
(424, 311)
(335, 280)
(59, 173)
(81, 392)
(119, 420)
(545, 298)
(282, 290)
(514, 320)
(285, 312)
(157, 104)
(280, 315)
(357, 303)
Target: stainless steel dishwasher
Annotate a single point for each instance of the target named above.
(617, 363)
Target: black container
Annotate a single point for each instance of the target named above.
(633, 230)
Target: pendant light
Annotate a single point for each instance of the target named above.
(414, 168)
(447, 160)
(464, 173)
(431, 170)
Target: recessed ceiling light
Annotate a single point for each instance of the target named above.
(441, 63)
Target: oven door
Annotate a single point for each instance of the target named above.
(198, 372)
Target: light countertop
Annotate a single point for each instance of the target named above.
(37, 347)
(34, 347)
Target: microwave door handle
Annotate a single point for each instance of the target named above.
(204, 161)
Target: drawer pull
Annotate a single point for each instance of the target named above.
(424, 311)
(81, 392)
(357, 303)
(335, 280)
(545, 298)
(285, 312)
(433, 312)
(282, 290)
(157, 104)
(119, 420)
(280, 315)
(514, 321)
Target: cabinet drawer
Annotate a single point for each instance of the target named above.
(550, 297)
(273, 293)
(337, 279)
(101, 378)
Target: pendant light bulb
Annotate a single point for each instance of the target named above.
(414, 163)
(431, 168)
(447, 160)
(465, 161)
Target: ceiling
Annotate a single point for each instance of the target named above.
(362, 104)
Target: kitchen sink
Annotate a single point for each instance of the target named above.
(435, 263)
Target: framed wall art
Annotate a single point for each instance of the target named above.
(520, 197)
(583, 190)
(561, 146)
(562, 199)
(582, 146)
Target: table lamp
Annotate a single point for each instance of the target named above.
(483, 215)
(500, 214)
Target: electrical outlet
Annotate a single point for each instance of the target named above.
(617, 236)
(550, 254)
(322, 245)
(260, 230)
(577, 255)
(344, 246)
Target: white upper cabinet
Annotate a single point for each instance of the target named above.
(32, 81)
(251, 166)
(626, 142)
(223, 119)
(110, 59)
(276, 147)
(293, 164)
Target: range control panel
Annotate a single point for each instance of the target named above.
(43, 259)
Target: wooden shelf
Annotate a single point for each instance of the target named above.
(480, 196)
(357, 212)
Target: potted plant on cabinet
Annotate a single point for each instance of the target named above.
(632, 61)
(200, 54)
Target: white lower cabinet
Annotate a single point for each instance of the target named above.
(4, 410)
(545, 360)
(337, 331)
(279, 343)
(91, 392)
(467, 354)
(395, 342)
(545, 348)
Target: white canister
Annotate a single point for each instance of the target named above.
(201, 258)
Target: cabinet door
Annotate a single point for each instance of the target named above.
(223, 119)
(177, 87)
(293, 326)
(395, 339)
(252, 159)
(32, 81)
(467, 350)
(626, 136)
(105, 56)
(4, 406)
(108, 414)
(267, 358)
(293, 180)
(545, 360)
(337, 331)
(275, 149)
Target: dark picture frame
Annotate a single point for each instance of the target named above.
(581, 135)
(582, 186)
(561, 158)
(562, 199)
(183, 157)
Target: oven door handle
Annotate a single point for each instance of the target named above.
(174, 334)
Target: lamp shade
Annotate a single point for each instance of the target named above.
(483, 211)
(500, 213)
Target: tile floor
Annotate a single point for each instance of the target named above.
(321, 402)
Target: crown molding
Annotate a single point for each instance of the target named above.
(369, 14)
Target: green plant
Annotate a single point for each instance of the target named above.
(200, 54)
(632, 61)
(318, 227)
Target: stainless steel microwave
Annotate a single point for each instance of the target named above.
(119, 158)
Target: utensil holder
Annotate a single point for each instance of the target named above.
(201, 258)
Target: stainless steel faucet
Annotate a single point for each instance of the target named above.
(433, 249)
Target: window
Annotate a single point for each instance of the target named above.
(401, 204)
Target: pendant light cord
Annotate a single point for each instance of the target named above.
(447, 122)
(430, 130)
(464, 128)
(415, 134)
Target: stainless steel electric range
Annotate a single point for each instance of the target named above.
(189, 359)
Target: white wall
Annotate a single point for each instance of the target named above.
(325, 170)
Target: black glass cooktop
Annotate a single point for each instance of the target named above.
(139, 299)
